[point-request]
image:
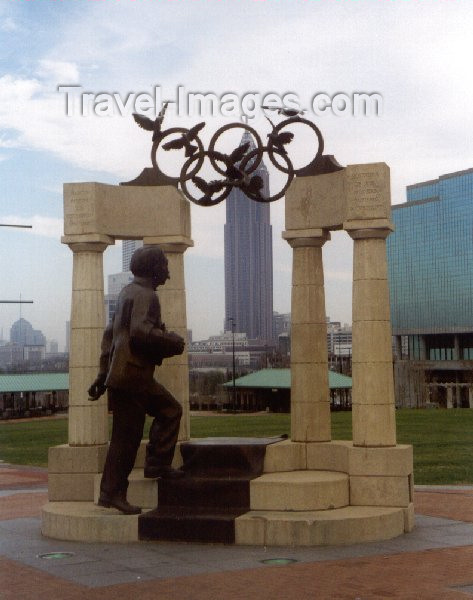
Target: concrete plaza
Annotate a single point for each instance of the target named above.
(435, 561)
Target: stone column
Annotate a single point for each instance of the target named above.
(174, 373)
(310, 402)
(373, 410)
(470, 397)
(88, 422)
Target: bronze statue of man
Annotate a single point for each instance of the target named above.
(132, 345)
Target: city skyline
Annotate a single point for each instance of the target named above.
(424, 128)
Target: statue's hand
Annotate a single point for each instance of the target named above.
(97, 388)
(177, 341)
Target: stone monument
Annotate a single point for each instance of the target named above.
(308, 490)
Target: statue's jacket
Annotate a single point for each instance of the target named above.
(136, 339)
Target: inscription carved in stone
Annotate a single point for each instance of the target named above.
(368, 191)
(79, 209)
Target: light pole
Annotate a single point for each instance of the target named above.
(232, 320)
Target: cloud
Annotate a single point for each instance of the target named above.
(145, 47)
(8, 25)
(304, 47)
(58, 71)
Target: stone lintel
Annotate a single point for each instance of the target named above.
(368, 191)
(316, 201)
(126, 212)
(357, 192)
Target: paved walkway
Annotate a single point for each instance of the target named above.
(435, 561)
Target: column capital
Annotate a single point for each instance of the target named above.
(368, 233)
(302, 238)
(368, 228)
(88, 242)
(171, 243)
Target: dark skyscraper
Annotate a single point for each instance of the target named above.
(249, 262)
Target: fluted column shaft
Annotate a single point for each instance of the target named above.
(310, 402)
(373, 408)
(88, 424)
(174, 373)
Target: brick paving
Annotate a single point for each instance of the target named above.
(19, 477)
(428, 575)
(434, 574)
(447, 503)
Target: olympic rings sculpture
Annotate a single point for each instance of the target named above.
(236, 169)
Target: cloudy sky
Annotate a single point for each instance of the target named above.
(416, 55)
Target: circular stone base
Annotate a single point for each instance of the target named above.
(87, 522)
(342, 526)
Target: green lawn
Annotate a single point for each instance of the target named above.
(442, 439)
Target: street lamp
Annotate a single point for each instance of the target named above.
(232, 320)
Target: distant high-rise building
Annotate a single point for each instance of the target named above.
(68, 336)
(53, 347)
(128, 247)
(118, 281)
(281, 323)
(430, 257)
(22, 333)
(430, 260)
(249, 261)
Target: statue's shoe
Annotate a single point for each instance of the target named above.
(120, 504)
(163, 472)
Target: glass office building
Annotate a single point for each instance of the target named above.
(430, 270)
(430, 258)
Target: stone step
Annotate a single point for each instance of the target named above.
(215, 457)
(202, 509)
(188, 525)
(87, 522)
(205, 493)
(141, 492)
(342, 526)
(300, 490)
(225, 457)
(292, 490)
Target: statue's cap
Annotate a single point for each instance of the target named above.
(146, 260)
